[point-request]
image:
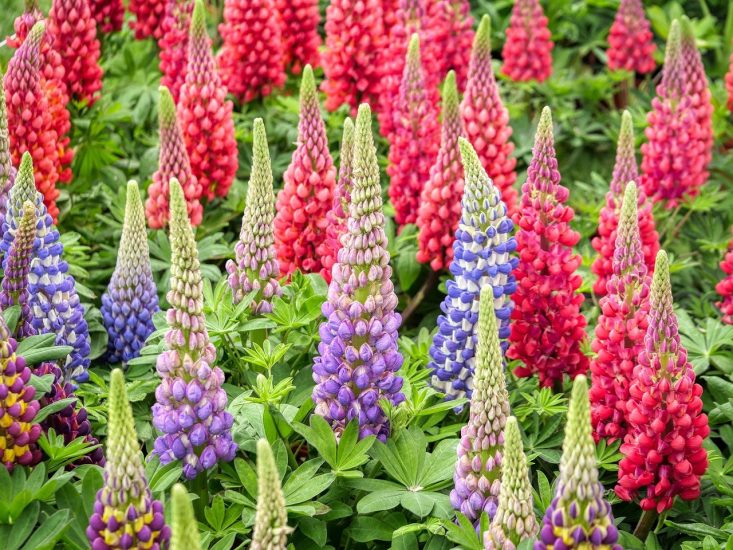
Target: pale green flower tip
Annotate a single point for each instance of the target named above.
(661, 284)
(661, 266)
(512, 438)
(468, 155)
(450, 92)
(184, 529)
(413, 52)
(308, 86)
(674, 42)
(29, 213)
(198, 18)
(363, 118)
(260, 147)
(544, 128)
(628, 207)
(482, 42)
(166, 106)
(626, 134)
(133, 195)
(25, 170)
(37, 32)
(178, 209)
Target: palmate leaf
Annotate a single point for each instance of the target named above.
(711, 345)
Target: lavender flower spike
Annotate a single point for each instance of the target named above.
(131, 299)
(17, 267)
(125, 514)
(7, 172)
(578, 517)
(478, 470)
(55, 305)
(482, 255)
(358, 359)
(271, 519)
(256, 266)
(514, 520)
(191, 404)
(184, 527)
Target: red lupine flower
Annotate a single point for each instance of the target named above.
(663, 452)
(74, 33)
(148, 17)
(30, 120)
(624, 171)
(725, 287)
(415, 141)
(109, 14)
(302, 204)
(173, 162)
(527, 52)
(675, 159)
(440, 201)
(205, 115)
(174, 45)
(352, 60)
(252, 56)
(547, 326)
(487, 121)
(729, 84)
(451, 25)
(300, 20)
(631, 42)
(389, 12)
(621, 326)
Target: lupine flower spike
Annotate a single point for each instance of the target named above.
(619, 334)
(483, 256)
(440, 202)
(173, 162)
(514, 520)
(271, 519)
(414, 141)
(174, 45)
(578, 517)
(55, 305)
(256, 267)
(631, 42)
(109, 14)
(547, 325)
(452, 30)
(18, 408)
(624, 171)
(191, 404)
(354, 39)
(131, 298)
(301, 41)
(486, 120)
(74, 33)
(148, 18)
(675, 157)
(527, 51)
(338, 215)
(184, 527)
(478, 471)
(252, 56)
(358, 358)
(205, 115)
(729, 83)
(7, 171)
(307, 196)
(125, 514)
(725, 286)
(663, 453)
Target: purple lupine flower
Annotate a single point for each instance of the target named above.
(482, 255)
(478, 471)
(17, 265)
(579, 516)
(7, 172)
(125, 514)
(131, 299)
(55, 305)
(191, 404)
(256, 266)
(358, 359)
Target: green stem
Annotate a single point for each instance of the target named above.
(646, 521)
(416, 300)
(200, 487)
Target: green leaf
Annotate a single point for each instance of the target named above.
(165, 476)
(54, 407)
(23, 526)
(419, 504)
(380, 500)
(369, 529)
(314, 529)
(49, 530)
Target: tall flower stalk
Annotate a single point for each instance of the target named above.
(527, 51)
(184, 527)
(271, 519)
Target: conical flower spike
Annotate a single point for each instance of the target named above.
(619, 334)
(55, 305)
(256, 266)
(440, 202)
(547, 327)
(478, 470)
(7, 171)
(624, 171)
(486, 119)
(271, 519)
(131, 299)
(358, 359)
(452, 31)
(483, 257)
(173, 162)
(16, 267)
(631, 42)
(514, 520)
(663, 452)
(125, 514)
(301, 41)
(191, 404)
(307, 196)
(184, 528)
(174, 45)
(206, 115)
(579, 517)
(148, 17)
(109, 14)
(338, 216)
(527, 51)
(414, 140)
